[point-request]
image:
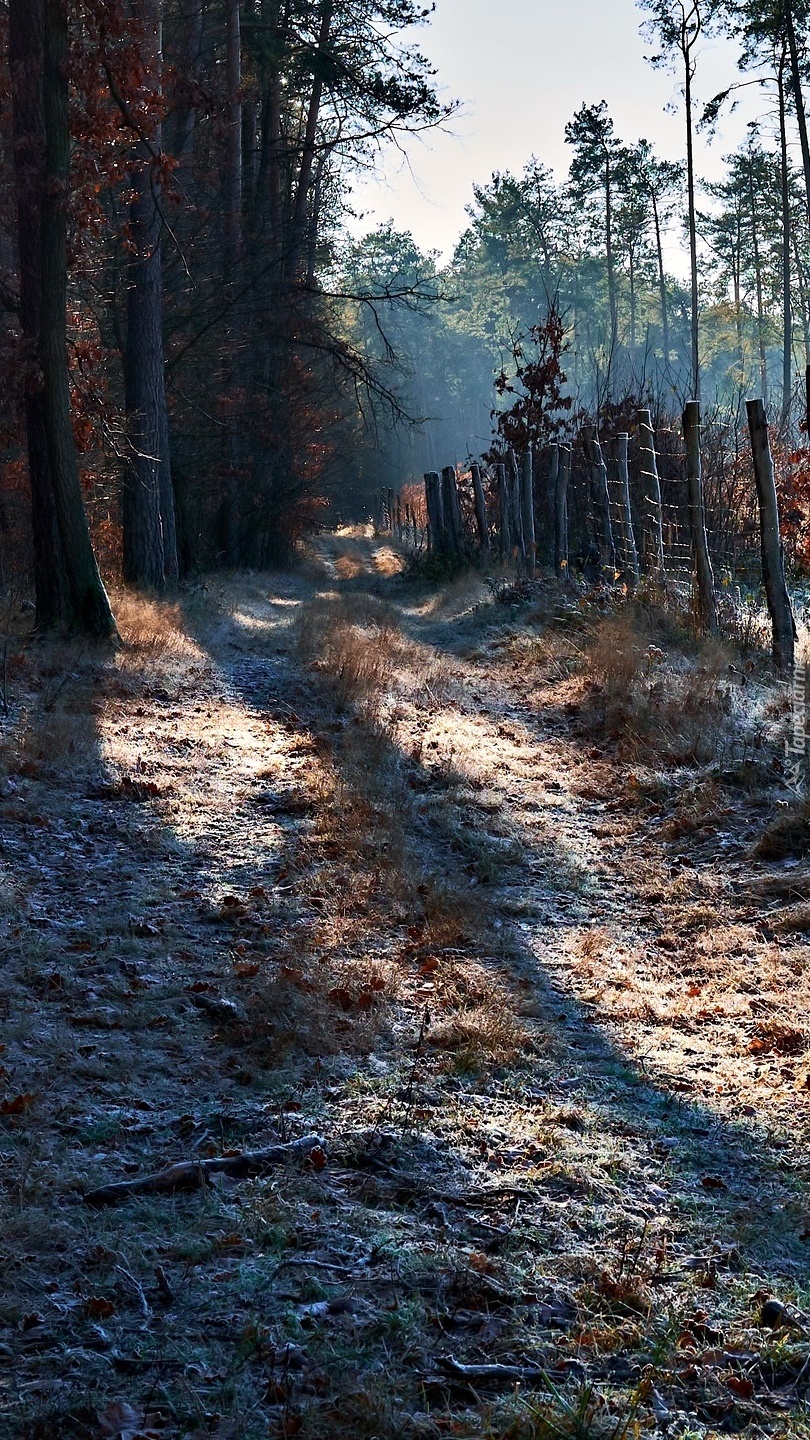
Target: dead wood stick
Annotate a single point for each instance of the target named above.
(496, 1374)
(193, 1174)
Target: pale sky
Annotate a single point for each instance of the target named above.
(521, 68)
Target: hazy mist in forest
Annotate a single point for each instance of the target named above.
(520, 69)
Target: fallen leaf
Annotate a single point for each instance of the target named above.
(713, 1182)
(16, 1106)
(120, 1421)
(96, 1307)
(741, 1386)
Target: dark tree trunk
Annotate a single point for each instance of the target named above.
(787, 295)
(185, 118)
(233, 148)
(305, 169)
(662, 278)
(90, 612)
(150, 532)
(26, 58)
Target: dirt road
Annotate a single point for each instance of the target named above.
(326, 854)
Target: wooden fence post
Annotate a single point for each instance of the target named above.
(527, 513)
(435, 510)
(502, 488)
(773, 569)
(600, 497)
(621, 491)
(480, 510)
(707, 608)
(653, 520)
(561, 512)
(454, 525)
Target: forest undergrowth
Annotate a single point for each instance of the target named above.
(495, 902)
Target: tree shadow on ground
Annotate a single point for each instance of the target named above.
(670, 1158)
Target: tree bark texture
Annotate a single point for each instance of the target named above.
(233, 145)
(454, 525)
(90, 612)
(26, 59)
(150, 532)
(773, 570)
(707, 608)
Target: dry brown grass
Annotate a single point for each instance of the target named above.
(476, 1021)
(787, 835)
(650, 703)
(352, 641)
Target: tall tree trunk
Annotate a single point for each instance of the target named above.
(798, 96)
(26, 57)
(763, 361)
(185, 118)
(801, 280)
(233, 145)
(250, 118)
(611, 275)
(90, 612)
(692, 218)
(308, 151)
(787, 297)
(662, 279)
(150, 533)
(707, 609)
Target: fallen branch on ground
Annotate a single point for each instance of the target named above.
(497, 1376)
(193, 1174)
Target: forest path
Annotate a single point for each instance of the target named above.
(390, 888)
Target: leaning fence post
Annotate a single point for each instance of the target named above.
(480, 510)
(527, 511)
(773, 569)
(707, 607)
(653, 519)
